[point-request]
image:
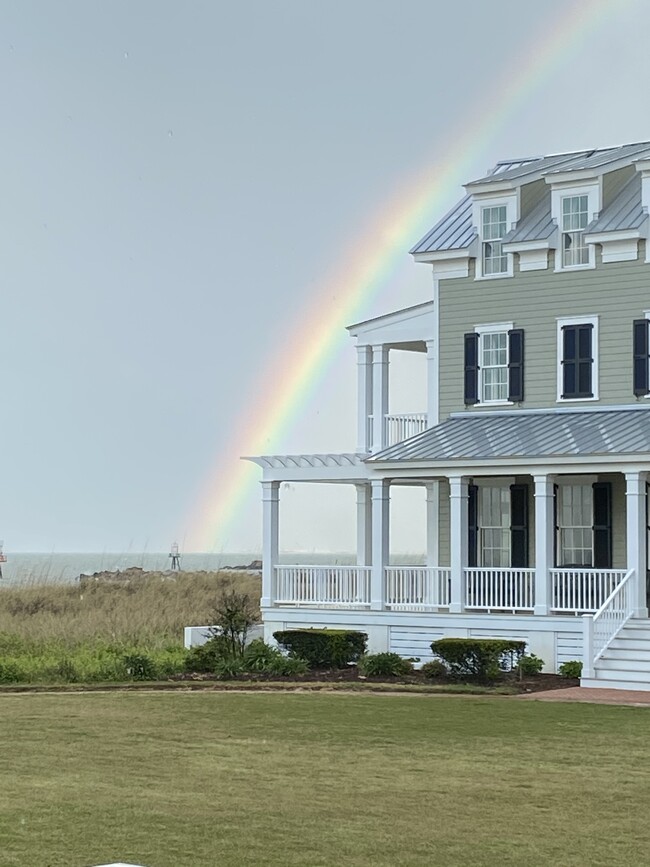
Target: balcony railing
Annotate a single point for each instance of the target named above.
(580, 591)
(417, 588)
(401, 427)
(344, 586)
(500, 589)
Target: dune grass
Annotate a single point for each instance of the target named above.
(53, 633)
(186, 779)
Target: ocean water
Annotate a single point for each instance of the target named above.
(64, 567)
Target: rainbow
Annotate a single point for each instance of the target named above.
(294, 374)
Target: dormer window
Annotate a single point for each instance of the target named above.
(494, 222)
(575, 216)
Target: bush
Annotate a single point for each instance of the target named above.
(480, 659)
(529, 665)
(385, 665)
(204, 658)
(10, 672)
(287, 666)
(323, 648)
(234, 614)
(260, 656)
(573, 668)
(434, 669)
(229, 668)
(139, 666)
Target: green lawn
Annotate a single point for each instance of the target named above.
(213, 779)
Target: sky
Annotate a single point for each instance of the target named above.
(179, 180)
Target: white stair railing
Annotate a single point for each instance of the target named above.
(601, 628)
(417, 588)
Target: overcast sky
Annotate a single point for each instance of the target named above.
(178, 176)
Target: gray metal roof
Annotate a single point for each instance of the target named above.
(453, 232)
(625, 212)
(527, 434)
(537, 226)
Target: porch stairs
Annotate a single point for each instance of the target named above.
(626, 662)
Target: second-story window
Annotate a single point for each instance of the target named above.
(575, 216)
(578, 358)
(495, 261)
(493, 366)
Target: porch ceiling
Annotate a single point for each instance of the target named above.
(527, 434)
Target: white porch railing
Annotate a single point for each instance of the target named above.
(500, 589)
(345, 586)
(417, 588)
(401, 427)
(601, 628)
(580, 591)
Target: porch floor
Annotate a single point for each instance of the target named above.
(632, 697)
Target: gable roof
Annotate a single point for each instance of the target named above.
(483, 436)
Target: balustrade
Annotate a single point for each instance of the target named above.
(505, 589)
(417, 588)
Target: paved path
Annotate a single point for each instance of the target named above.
(638, 698)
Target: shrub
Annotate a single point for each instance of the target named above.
(287, 666)
(529, 665)
(323, 648)
(573, 668)
(204, 658)
(139, 666)
(385, 665)
(434, 669)
(234, 614)
(478, 658)
(10, 672)
(260, 656)
(229, 668)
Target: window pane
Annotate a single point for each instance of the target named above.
(575, 518)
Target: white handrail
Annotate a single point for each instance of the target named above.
(601, 628)
(500, 589)
(345, 586)
(417, 588)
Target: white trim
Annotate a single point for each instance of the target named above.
(494, 481)
(620, 246)
(595, 368)
(492, 328)
(592, 189)
(507, 199)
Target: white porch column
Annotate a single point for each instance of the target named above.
(458, 494)
(433, 529)
(380, 540)
(635, 493)
(544, 543)
(379, 395)
(432, 384)
(364, 398)
(364, 525)
(270, 539)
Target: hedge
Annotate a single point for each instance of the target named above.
(323, 648)
(478, 658)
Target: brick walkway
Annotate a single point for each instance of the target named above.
(638, 698)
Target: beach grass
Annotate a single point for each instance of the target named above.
(178, 780)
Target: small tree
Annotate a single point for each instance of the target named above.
(234, 614)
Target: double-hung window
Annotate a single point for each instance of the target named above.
(575, 216)
(578, 358)
(494, 526)
(494, 364)
(494, 222)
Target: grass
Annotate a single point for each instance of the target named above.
(178, 780)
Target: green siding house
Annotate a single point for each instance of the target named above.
(533, 443)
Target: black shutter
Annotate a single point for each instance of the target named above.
(519, 526)
(556, 528)
(602, 525)
(472, 525)
(471, 368)
(516, 365)
(640, 356)
(577, 360)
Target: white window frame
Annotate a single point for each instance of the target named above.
(511, 204)
(558, 194)
(574, 483)
(592, 319)
(481, 330)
